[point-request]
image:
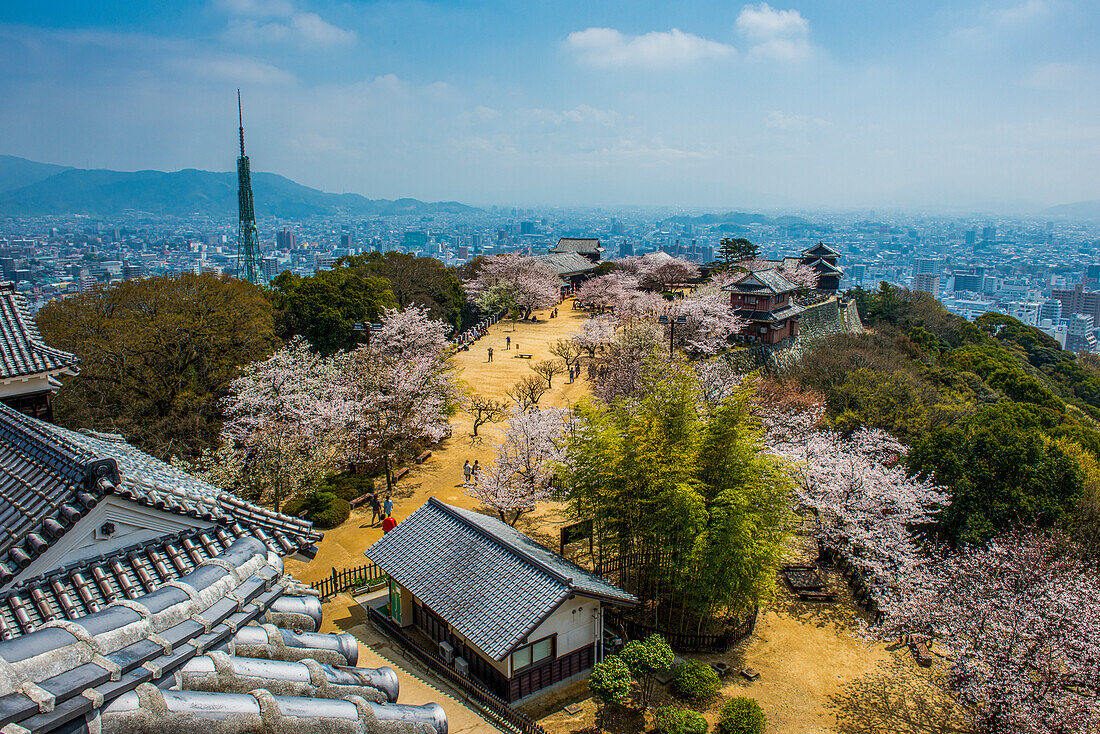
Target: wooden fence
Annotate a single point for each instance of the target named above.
(348, 578)
(493, 707)
(686, 642)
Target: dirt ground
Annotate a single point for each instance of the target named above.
(441, 475)
(816, 673)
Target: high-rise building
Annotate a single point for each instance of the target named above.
(414, 240)
(926, 265)
(989, 233)
(527, 227)
(626, 249)
(927, 283)
(270, 267)
(346, 241)
(1051, 311)
(132, 271)
(1077, 301)
(286, 240)
(1079, 333)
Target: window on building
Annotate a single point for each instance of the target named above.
(536, 652)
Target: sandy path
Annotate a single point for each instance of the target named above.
(441, 475)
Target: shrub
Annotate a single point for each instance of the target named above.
(347, 486)
(672, 720)
(610, 681)
(741, 715)
(645, 658)
(695, 681)
(323, 509)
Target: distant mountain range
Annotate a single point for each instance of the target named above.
(1076, 210)
(28, 188)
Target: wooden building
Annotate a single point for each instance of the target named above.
(764, 299)
(589, 248)
(501, 608)
(29, 370)
(823, 259)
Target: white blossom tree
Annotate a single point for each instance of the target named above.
(595, 333)
(1019, 621)
(864, 502)
(399, 390)
(522, 475)
(606, 292)
(282, 425)
(709, 322)
(516, 284)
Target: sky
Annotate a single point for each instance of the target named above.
(799, 104)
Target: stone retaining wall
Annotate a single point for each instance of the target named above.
(818, 322)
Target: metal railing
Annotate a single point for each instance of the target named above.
(348, 578)
(492, 707)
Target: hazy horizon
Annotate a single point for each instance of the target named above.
(796, 105)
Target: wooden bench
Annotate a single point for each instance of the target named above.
(400, 473)
(423, 457)
(921, 652)
(360, 500)
(523, 356)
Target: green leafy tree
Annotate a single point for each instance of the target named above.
(610, 681)
(421, 281)
(732, 250)
(741, 715)
(645, 658)
(157, 355)
(324, 307)
(685, 493)
(1003, 472)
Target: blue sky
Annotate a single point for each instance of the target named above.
(792, 104)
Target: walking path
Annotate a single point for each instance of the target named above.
(441, 475)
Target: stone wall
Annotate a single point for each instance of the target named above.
(818, 322)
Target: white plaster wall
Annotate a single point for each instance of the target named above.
(133, 524)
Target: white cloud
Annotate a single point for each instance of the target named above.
(238, 69)
(608, 48)
(1054, 75)
(1002, 18)
(775, 34)
(783, 122)
(288, 24)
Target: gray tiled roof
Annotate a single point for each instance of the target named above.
(50, 477)
(575, 244)
(567, 263)
(21, 349)
(489, 581)
(759, 281)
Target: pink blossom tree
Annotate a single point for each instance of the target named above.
(709, 322)
(282, 424)
(516, 284)
(802, 275)
(607, 292)
(864, 502)
(522, 475)
(595, 334)
(398, 391)
(1019, 621)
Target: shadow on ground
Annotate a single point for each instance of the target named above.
(891, 699)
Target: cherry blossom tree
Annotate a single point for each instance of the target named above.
(1019, 621)
(864, 502)
(595, 333)
(282, 424)
(718, 381)
(658, 271)
(606, 292)
(710, 322)
(515, 284)
(522, 475)
(802, 275)
(620, 369)
(398, 391)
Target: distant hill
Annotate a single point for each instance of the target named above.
(731, 221)
(16, 173)
(39, 189)
(1076, 210)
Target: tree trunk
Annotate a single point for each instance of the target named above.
(389, 475)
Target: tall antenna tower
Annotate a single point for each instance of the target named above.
(248, 240)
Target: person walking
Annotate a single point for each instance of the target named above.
(508, 342)
(490, 354)
(467, 472)
(376, 510)
(387, 508)
(475, 471)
